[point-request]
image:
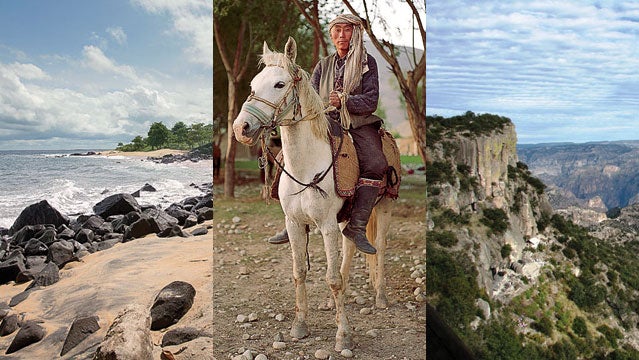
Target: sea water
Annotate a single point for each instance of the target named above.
(74, 184)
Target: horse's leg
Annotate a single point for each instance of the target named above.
(348, 251)
(299, 329)
(337, 284)
(381, 219)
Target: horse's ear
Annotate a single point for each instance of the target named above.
(291, 49)
(265, 49)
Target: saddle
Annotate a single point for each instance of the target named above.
(346, 168)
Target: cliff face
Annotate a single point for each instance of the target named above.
(493, 237)
(490, 161)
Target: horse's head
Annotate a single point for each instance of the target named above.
(273, 94)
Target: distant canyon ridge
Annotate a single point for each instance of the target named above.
(595, 175)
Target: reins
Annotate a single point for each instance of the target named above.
(317, 178)
(281, 109)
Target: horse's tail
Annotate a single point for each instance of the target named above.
(371, 234)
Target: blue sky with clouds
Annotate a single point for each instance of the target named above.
(560, 70)
(78, 74)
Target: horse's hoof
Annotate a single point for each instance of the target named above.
(381, 302)
(299, 330)
(345, 343)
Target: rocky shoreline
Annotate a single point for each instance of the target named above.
(42, 242)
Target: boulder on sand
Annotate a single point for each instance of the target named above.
(171, 303)
(115, 205)
(38, 213)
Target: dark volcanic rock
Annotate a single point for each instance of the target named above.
(38, 213)
(143, 226)
(171, 232)
(80, 330)
(29, 333)
(93, 223)
(49, 275)
(84, 236)
(10, 268)
(180, 336)
(148, 187)
(163, 220)
(190, 221)
(20, 297)
(35, 247)
(30, 273)
(171, 303)
(199, 231)
(205, 201)
(65, 233)
(47, 236)
(61, 252)
(36, 261)
(116, 204)
(9, 324)
(178, 212)
(4, 310)
(26, 233)
(106, 244)
(204, 214)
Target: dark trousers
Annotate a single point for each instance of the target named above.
(368, 145)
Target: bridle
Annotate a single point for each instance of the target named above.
(281, 108)
(268, 125)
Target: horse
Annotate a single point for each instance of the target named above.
(282, 95)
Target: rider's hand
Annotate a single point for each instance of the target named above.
(334, 100)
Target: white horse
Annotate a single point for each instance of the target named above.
(282, 95)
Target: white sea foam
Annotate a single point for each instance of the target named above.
(75, 184)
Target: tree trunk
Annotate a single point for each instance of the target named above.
(416, 107)
(231, 146)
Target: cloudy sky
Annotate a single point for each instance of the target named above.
(561, 70)
(78, 74)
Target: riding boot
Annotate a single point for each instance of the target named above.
(279, 238)
(355, 231)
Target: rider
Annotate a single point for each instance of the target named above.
(348, 80)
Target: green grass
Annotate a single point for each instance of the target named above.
(246, 165)
(411, 160)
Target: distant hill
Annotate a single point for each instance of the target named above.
(609, 170)
(389, 92)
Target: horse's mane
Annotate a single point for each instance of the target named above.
(310, 100)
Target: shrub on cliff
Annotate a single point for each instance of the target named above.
(443, 238)
(496, 220)
(453, 277)
(468, 124)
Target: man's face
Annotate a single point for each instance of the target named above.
(341, 35)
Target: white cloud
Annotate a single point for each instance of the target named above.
(192, 20)
(95, 99)
(117, 33)
(95, 59)
(559, 60)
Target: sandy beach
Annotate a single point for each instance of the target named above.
(103, 283)
(154, 153)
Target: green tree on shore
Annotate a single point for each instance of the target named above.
(158, 135)
(180, 132)
(180, 136)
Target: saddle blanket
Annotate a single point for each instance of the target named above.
(346, 169)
